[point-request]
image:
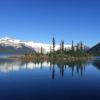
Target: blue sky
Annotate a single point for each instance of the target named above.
(40, 20)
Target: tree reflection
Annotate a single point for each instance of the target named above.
(56, 67)
(75, 67)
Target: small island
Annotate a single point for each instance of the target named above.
(74, 53)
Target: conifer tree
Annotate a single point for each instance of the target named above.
(53, 43)
(81, 46)
(62, 45)
(77, 47)
(72, 45)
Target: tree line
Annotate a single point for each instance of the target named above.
(63, 52)
(75, 50)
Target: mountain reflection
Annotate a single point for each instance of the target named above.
(8, 65)
(96, 63)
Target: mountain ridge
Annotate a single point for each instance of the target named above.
(7, 44)
(7, 41)
(13, 46)
(95, 50)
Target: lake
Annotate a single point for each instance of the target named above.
(22, 80)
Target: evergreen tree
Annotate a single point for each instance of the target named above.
(62, 45)
(53, 42)
(81, 46)
(77, 47)
(72, 45)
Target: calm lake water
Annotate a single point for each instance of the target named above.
(20, 80)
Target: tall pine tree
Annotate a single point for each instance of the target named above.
(72, 45)
(53, 43)
(81, 46)
(62, 46)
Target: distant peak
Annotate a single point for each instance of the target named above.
(6, 38)
(9, 39)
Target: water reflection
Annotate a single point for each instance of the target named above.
(8, 65)
(69, 80)
(71, 66)
(96, 63)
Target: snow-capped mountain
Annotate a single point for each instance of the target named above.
(13, 46)
(18, 44)
(6, 41)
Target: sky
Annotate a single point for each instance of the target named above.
(40, 20)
